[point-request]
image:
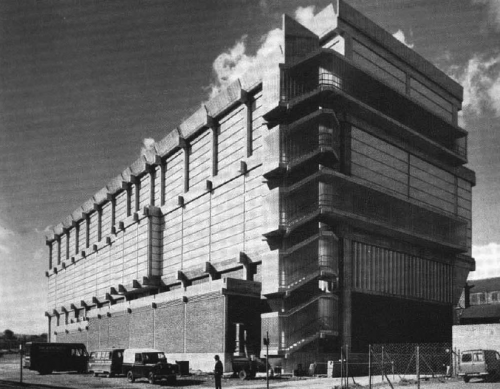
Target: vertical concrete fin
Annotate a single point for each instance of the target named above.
(299, 40)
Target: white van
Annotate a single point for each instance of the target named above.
(148, 363)
(479, 363)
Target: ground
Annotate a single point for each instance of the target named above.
(10, 378)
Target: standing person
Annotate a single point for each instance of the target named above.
(218, 370)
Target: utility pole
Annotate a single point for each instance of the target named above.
(266, 343)
(20, 363)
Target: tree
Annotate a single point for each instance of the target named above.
(8, 334)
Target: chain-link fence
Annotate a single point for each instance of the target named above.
(396, 363)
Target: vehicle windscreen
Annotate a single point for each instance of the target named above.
(153, 357)
(478, 357)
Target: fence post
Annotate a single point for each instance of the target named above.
(342, 366)
(347, 366)
(383, 368)
(20, 363)
(370, 366)
(418, 367)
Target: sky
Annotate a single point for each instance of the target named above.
(86, 85)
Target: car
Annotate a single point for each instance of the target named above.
(106, 361)
(148, 363)
(479, 363)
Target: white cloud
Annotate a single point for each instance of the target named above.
(305, 15)
(487, 261)
(400, 36)
(493, 8)
(235, 62)
(480, 78)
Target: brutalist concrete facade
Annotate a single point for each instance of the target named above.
(325, 203)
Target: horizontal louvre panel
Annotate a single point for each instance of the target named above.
(385, 271)
(381, 68)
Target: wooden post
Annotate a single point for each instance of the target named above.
(21, 363)
(370, 366)
(418, 367)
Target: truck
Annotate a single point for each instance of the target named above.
(479, 364)
(246, 365)
(48, 357)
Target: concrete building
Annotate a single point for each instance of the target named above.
(325, 203)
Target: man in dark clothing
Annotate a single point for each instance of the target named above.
(218, 370)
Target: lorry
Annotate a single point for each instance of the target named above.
(244, 363)
(479, 364)
(48, 357)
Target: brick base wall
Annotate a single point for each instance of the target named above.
(191, 331)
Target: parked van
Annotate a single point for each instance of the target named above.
(107, 361)
(480, 364)
(148, 363)
(48, 357)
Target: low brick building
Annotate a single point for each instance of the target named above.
(324, 203)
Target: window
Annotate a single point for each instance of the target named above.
(466, 357)
(138, 357)
(482, 298)
(478, 357)
(494, 296)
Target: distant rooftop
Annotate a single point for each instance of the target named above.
(485, 285)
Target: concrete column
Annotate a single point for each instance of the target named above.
(346, 306)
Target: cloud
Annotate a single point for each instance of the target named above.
(487, 261)
(400, 36)
(305, 15)
(148, 144)
(480, 78)
(493, 9)
(235, 62)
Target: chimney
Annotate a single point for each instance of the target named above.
(467, 289)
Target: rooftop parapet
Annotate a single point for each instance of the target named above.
(101, 196)
(88, 206)
(225, 99)
(77, 214)
(251, 79)
(195, 122)
(115, 185)
(138, 166)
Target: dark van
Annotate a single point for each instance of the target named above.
(108, 362)
(48, 357)
(148, 363)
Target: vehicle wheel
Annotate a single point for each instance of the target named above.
(130, 377)
(151, 378)
(171, 380)
(466, 379)
(243, 374)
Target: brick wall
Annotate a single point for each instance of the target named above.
(175, 327)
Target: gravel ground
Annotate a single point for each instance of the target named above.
(10, 377)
